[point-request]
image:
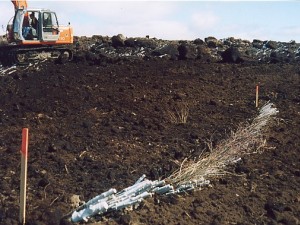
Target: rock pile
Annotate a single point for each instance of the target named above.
(3, 40)
(98, 49)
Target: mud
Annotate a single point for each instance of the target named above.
(93, 127)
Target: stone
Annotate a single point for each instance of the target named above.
(257, 44)
(146, 43)
(186, 52)
(118, 40)
(198, 41)
(170, 51)
(130, 42)
(75, 201)
(271, 44)
(231, 55)
(211, 42)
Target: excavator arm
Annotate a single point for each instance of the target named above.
(19, 4)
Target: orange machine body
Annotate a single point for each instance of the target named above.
(35, 34)
(46, 31)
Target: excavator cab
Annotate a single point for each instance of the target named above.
(50, 31)
(39, 26)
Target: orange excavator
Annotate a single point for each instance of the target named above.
(35, 34)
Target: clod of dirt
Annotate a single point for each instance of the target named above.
(75, 201)
(43, 182)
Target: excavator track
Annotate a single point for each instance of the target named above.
(21, 55)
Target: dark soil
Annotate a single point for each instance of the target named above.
(96, 127)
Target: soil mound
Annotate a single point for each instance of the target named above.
(102, 48)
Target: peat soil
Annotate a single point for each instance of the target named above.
(96, 127)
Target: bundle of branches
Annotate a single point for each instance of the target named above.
(247, 139)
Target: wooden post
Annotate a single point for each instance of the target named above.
(23, 183)
(256, 101)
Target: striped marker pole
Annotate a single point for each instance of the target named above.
(23, 183)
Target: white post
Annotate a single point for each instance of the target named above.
(23, 183)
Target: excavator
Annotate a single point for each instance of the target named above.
(35, 34)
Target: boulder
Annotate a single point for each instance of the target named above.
(130, 42)
(232, 55)
(292, 42)
(3, 40)
(146, 43)
(187, 52)
(245, 43)
(281, 57)
(271, 44)
(118, 40)
(198, 41)
(257, 44)
(298, 52)
(204, 54)
(140, 42)
(227, 42)
(168, 51)
(211, 42)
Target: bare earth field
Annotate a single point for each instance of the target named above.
(94, 127)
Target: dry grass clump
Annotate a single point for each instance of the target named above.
(179, 114)
(246, 140)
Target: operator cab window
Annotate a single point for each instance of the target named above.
(50, 23)
(30, 25)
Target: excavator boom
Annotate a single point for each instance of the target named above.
(19, 4)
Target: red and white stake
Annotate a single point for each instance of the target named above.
(23, 183)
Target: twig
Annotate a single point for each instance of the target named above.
(66, 169)
(45, 195)
(82, 153)
(54, 201)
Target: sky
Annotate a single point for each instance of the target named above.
(173, 20)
